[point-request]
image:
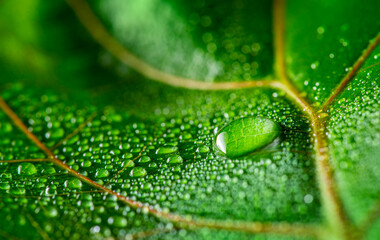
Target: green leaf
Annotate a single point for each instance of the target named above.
(109, 125)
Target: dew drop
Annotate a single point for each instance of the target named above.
(26, 169)
(308, 198)
(117, 221)
(320, 30)
(18, 191)
(203, 149)
(128, 163)
(167, 150)
(50, 191)
(51, 212)
(125, 146)
(245, 135)
(102, 173)
(5, 186)
(138, 172)
(144, 159)
(57, 133)
(343, 42)
(314, 65)
(73, 183)
(175, 159)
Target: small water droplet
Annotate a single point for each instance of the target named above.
(26, 169)
(5, 186)
(144, 159)
(166, 150)
(314, 65)
(102, 173)
(343, 42)
(51, 212)
(73, 183)
(308, 198)
(203, 149)
(117, 221)
(18, 191)
(175, 159)
(320, 30)
(125, 146)
(138, 172)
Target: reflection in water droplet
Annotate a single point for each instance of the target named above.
(221, 141)
(245, 135)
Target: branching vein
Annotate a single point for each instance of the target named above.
(332, 202)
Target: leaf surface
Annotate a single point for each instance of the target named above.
(92, 146)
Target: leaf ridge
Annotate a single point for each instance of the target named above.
(327, 185)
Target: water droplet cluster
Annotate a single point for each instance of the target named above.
(166, 160)
(355, 139)
(321, 52)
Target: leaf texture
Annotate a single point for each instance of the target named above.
(108, 124)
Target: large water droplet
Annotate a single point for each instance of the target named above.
(246, 135)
